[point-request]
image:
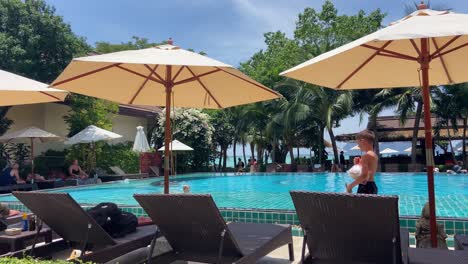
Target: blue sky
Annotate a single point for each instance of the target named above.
(228, 30)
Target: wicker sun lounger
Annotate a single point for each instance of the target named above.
(194, 228)
(66, 218)
(119, 172)
(346, 228)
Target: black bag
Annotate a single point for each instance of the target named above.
(115, 222)
(122, 225)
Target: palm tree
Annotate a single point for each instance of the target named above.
(327, 107)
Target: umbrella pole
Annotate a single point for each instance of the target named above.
(167, 130)
(425, 60)
(32, 160)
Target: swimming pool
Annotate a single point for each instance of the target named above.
(271, 191)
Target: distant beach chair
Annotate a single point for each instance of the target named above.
(155, 170)
(66, 218)
(196, 231)
(122, 175)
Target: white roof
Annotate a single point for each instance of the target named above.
(176, 145)
(141, 143)
(389, 151)
(92, 134)
(26, 134)
(16, 89)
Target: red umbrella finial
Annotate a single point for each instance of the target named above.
(422, 5)
(170, 42)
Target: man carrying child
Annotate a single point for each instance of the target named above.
(369, 162)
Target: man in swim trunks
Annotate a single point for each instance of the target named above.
(369, 161)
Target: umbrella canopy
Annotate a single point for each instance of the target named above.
(141, 143)
(18, 90)
(176, 145)
(425, 48)
(92, 134)
(29, 135)
(165, 75)
(389, 151)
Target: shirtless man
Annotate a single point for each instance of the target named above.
(369, 161)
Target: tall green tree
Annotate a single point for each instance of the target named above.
(224, 132)
(34, 41)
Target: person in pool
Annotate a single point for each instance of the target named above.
(369, 162)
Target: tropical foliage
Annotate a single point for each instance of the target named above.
(193, 128)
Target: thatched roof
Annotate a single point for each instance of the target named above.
(389, 129)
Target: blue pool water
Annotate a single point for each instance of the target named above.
(271, 191)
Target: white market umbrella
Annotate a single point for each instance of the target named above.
(164, 75)
(175, 146)
(389, 151)
(141, 142)
(91, 135)
(425, 48)
(29, 135)
(19, 90)
(408, 149)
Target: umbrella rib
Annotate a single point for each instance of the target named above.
(449, 78)
(438, 50)
(397, 54)
(139, 74)
(86, 74)
(415, 47)
(55, 97)
(450, 50)
(251, 82)
(394, 56)
(364, 63)
(177, 73)
(143, 84)
(204, 87)
(191, 79)
(155, 73)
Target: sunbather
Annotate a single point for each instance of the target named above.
(76, 172)
(14, 173)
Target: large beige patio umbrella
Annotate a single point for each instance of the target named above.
(425, 48)
(18, 90)
(29, 135)
(165, 75)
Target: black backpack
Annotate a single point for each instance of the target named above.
(115, 222)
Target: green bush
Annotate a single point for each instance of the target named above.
(120, 155)
(8, 260)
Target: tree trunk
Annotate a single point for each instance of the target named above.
(414, 140)
(450, 142)
(225, 158)
(243, 151)
(298, 156)
(252, 150)
(220, 159)
(291, 154)
(464, 143)
(335, 148)
(373, 123)
(234, 153)
(273, 151)
(321, 143)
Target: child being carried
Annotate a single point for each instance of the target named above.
(356, 169)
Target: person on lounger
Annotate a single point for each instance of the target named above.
(369, 162)
(76, 172)
(14, 173)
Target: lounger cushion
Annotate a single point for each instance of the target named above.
(437, 256)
